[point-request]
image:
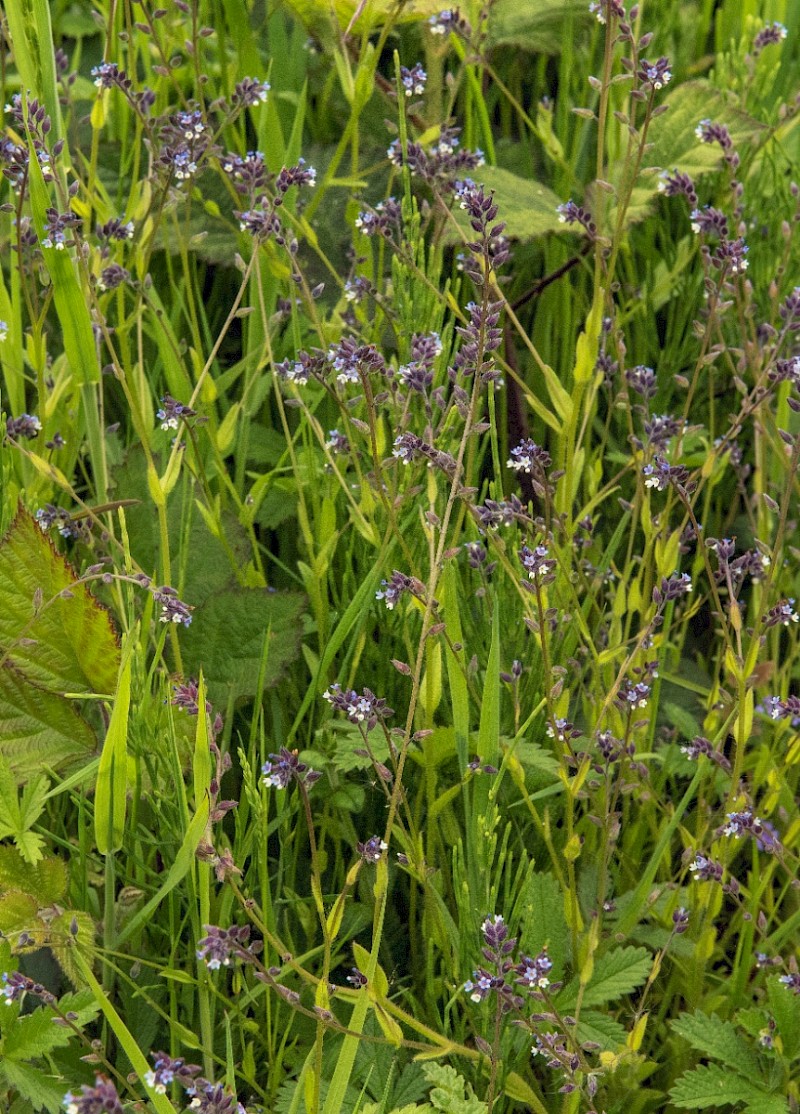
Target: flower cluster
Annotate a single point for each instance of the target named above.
(571, 213)
(13, 985)
(479, 338)
(739, 824)
(221, 946)
(100, 1099)
(413, 80)
(661, 474)
(407, 447)
(173, 610)
(372, 850)
(417, 374)
(654, 75)
(709, 132)
(443, 163)
(168, 1070)
(700, 747)
(26, 425)
(171, 413)
(50, 516)
(782, 614)
(678, 185)
(391, 590)
(366, 710)
(494, 513)
(503, 976)
(450, 20)
(672, 588)
(284, 768)
(769, 35)
(533, 461)
(384, 220)
(602, 10)
(538, 564)
(204, 1096)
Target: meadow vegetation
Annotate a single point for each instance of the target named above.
(398, 564)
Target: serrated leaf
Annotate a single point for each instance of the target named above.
(35, 1034)
(615, 974)
(42, 1091)
(538, 28)
(540, 912)
(19, 811)
(71, 931)
(450, 1093)
(234, 630)
(66, 644)
(46, 881)
(602, 1029)
(38, 728)
(717, 1039)
(714, 1085)
(347, 740)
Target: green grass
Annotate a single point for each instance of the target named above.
(495, 757)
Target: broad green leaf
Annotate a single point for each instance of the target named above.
(527, 207)
(718, 1040)
(38, 728)
(540, 913)
(450, 1094)
(615, 974)
(46, 881)
(235, 630)
(34, 1085)
(539, 28)
(51, 627)
(70, 932)
(112, 773)
(35, 1034)
(602, 1029)
(714, 1085)
(675, 145)
(19, 811)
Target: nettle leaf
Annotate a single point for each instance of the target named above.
(38, 728)
(348, 740)
(451, 1094)
(34, 1086)
(540, 912)
(20, 811)
(34, 1034)
(714, 1085)
(46, 881)
(538, 28)
(615, 974)
(52, 630)
(718, 1040)
(236, 630)
(602, 1029)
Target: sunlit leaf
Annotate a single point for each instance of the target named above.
(51, 627)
